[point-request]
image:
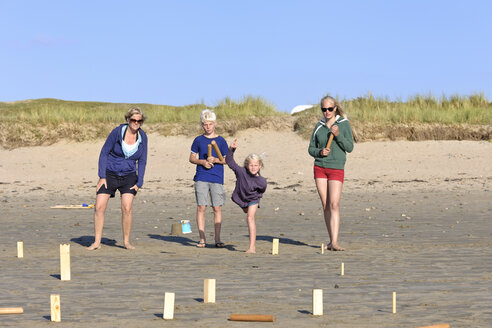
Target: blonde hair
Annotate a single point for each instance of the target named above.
(134, 111)
(255, 157)
(339, 110)
(207, 115)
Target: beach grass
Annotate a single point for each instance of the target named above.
(45, 121)
(424, 112)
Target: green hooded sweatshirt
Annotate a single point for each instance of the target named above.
(341, 144)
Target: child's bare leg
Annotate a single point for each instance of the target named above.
(217, 222)
(127, 218)
(200, 222)
(252, 228)
(99, 209)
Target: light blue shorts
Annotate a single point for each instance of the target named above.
(205, 189)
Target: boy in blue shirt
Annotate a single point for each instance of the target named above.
(209, 177)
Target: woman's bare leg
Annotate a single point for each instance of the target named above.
(99, 210)
(127, 218)
(334, 195)
(322, 187)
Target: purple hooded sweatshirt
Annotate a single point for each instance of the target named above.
(249, 188)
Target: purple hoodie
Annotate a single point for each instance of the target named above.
(249, 188)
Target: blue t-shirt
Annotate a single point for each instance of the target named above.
(200, 147)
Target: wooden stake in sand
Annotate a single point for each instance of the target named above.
(217, 150)
(168, 313)
(65, 261)
(441, 325)
(343, 269)
(209, 291)
(209, 150)
(322, 248)
(55, 307)
(13, 310)
(317, 301)
(394, 302)
(252, 317)
(176, 229)
(275, 246)
(20, 249)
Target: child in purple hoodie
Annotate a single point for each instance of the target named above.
(250, 186)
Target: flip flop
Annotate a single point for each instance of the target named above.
(220, 245)
(201, 245)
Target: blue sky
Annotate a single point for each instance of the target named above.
(289, 52)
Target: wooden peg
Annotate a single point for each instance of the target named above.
(322, 248)
(394, 302)
(317, 301)
(209, 291)
(168, 313)
(13, 310)
(20, 249)
(343, 269)
(65, 261)
(252, 317)
(55, 307)
(217, 150)
(275, 246)
(441, 325)
(209, 150)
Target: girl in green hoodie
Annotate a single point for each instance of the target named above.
(329, 162)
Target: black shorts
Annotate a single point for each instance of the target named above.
(121, 183)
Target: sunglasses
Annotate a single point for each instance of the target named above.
(330, 109)
(136, 121)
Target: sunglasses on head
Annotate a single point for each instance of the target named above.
(136, 121)
(330, 109)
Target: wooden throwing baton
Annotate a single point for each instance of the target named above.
(217, 150)
(252, 317)
(13, 310)
(328, 145)
(209, 150)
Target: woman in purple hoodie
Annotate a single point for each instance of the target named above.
(123, 155)
(250, 186)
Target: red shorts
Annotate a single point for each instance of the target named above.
(330, 174)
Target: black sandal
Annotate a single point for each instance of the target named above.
(220, 245)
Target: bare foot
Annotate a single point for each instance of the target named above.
(328, 247)
(336, 248)
(251, 251)
(129, 246)
(93, 247)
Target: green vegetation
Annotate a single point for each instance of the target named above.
(419, 110)
(45, 121)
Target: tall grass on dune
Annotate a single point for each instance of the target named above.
(44, 121)
(391, 119)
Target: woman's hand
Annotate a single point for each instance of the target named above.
(234, 144)
(334, 130)
(102, 181)
(211, 160)
(135, 188)
(324, 152)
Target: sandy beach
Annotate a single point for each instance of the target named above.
(415, 221)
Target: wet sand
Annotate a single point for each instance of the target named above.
(410, 225)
